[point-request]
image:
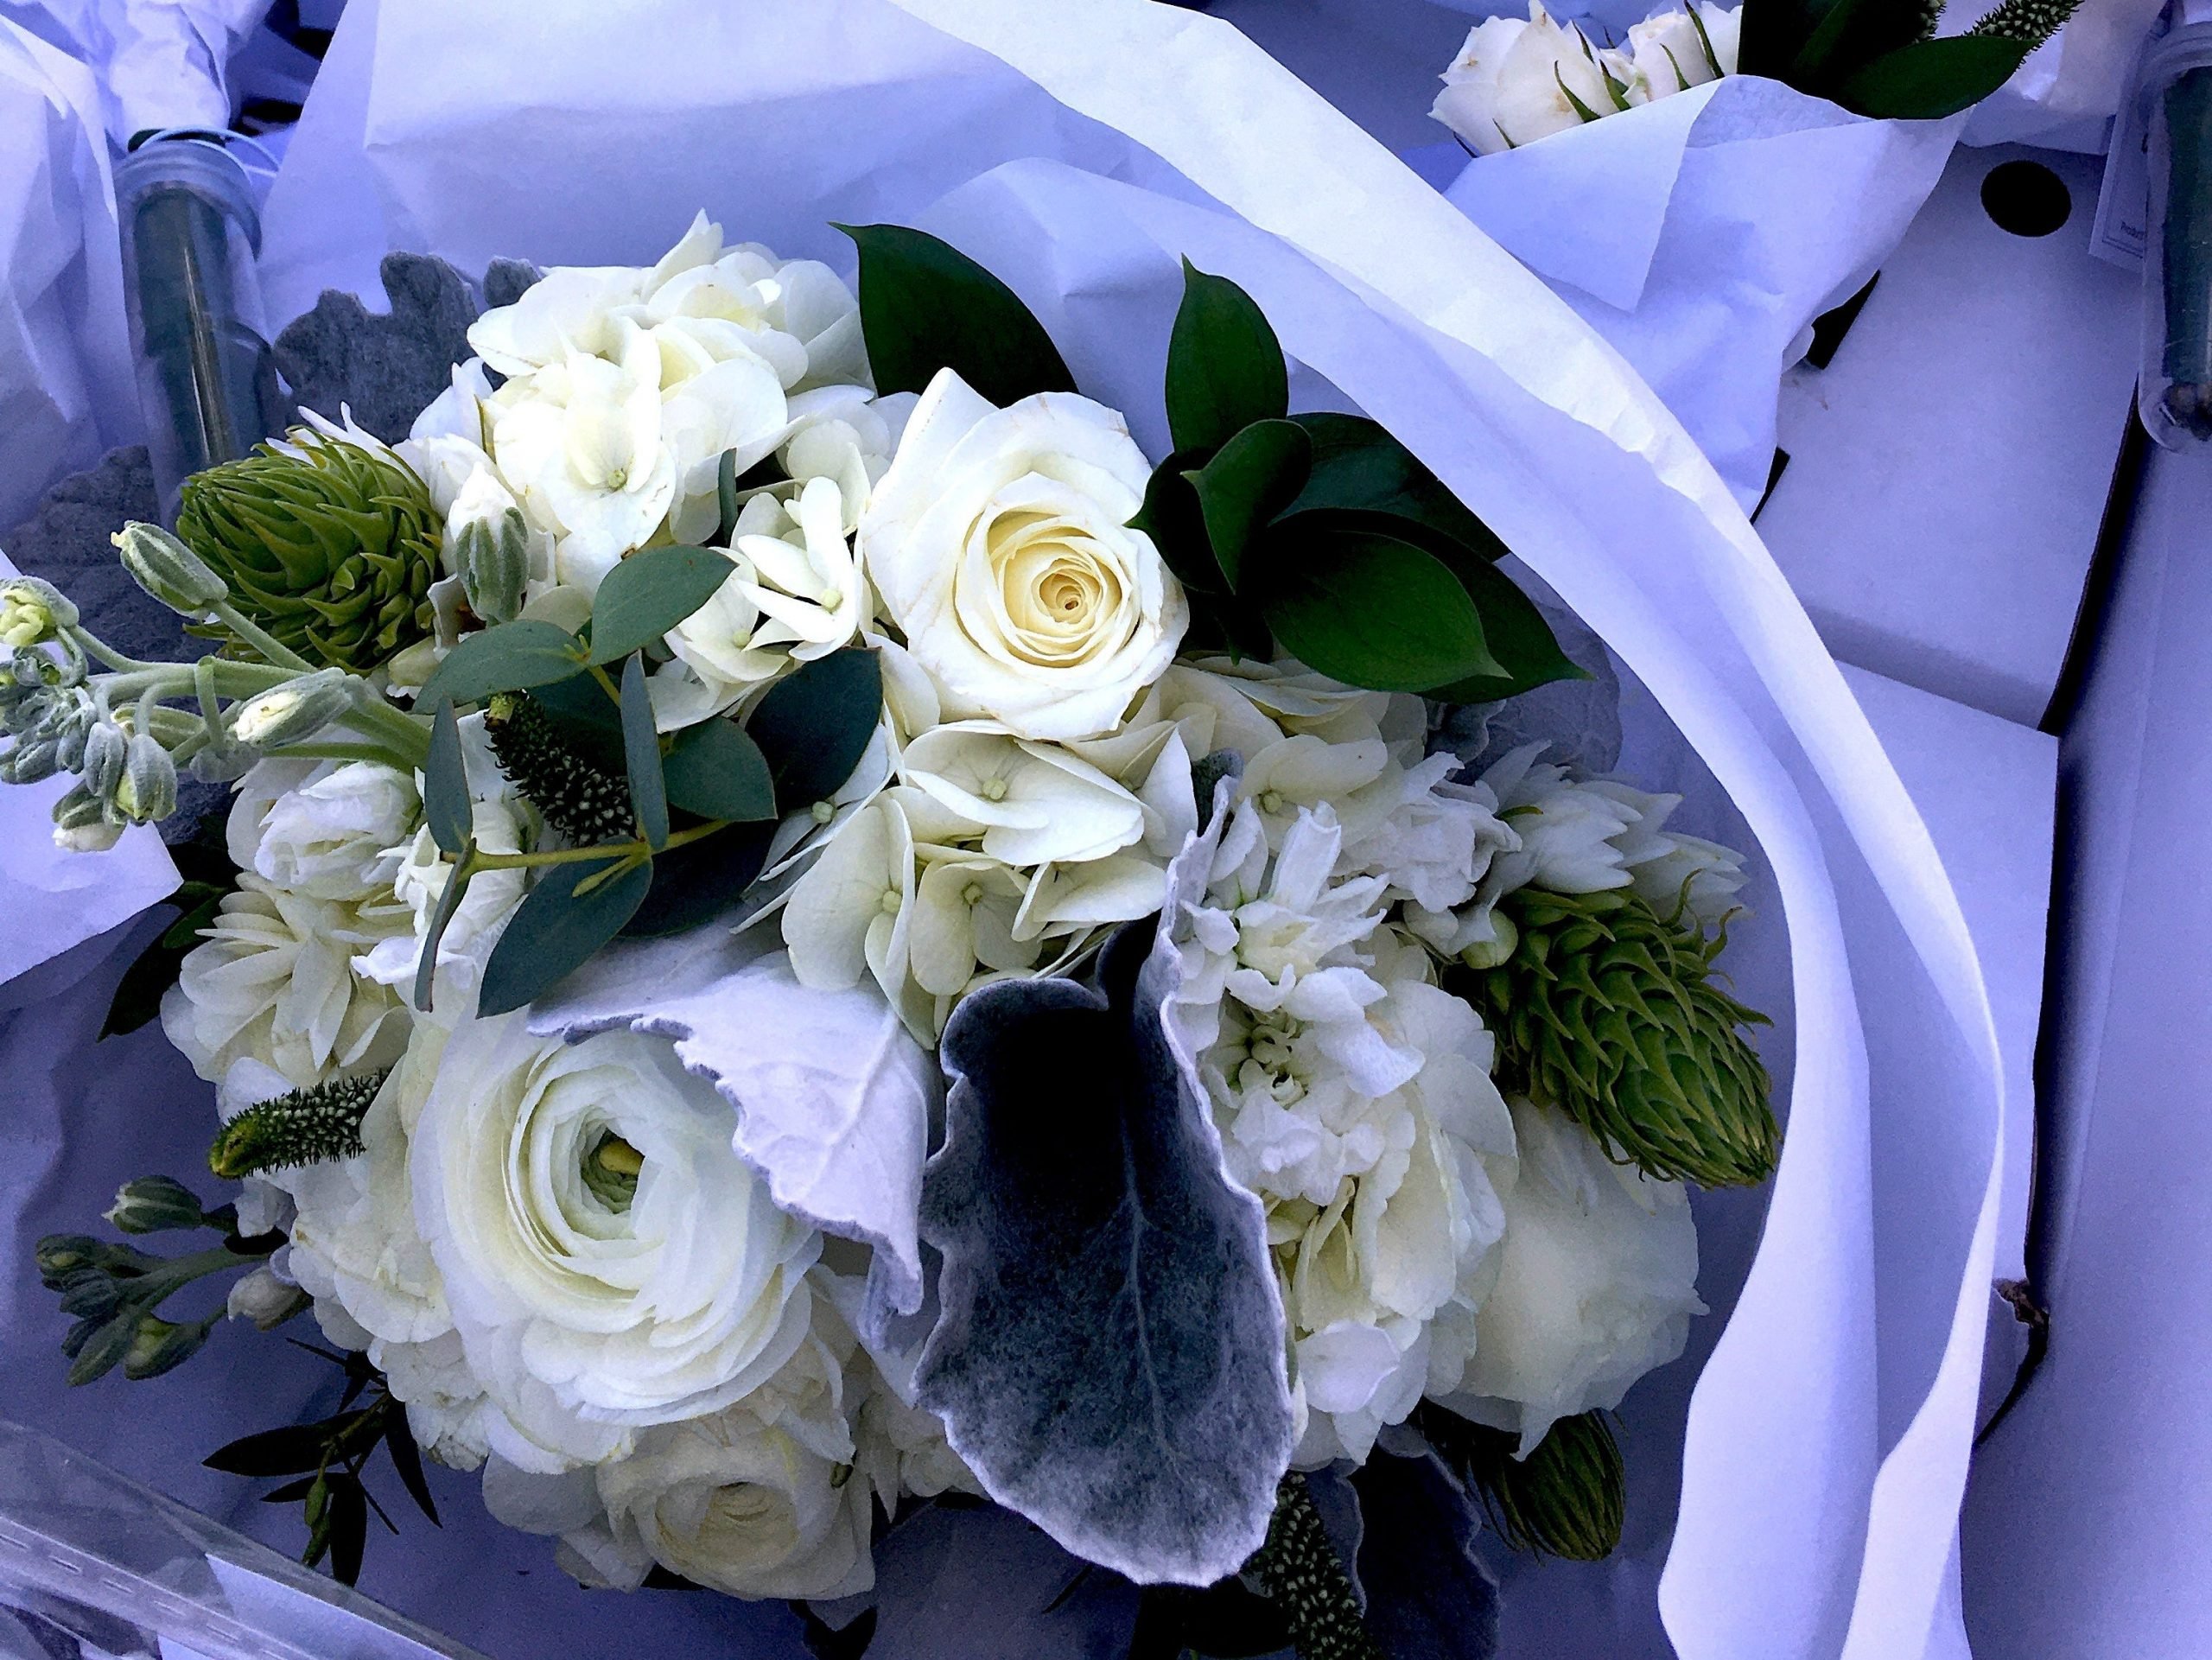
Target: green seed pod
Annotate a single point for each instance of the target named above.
(168, 570)
(310, 1126)
(332, 549)
(578, 798)
(1607, 1011)
(1568, 1497)
(1306, 1582)
(493, 555)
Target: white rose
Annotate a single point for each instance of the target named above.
(1515, 82)
(1596, 1285)
(609, 1262)
(275, 982)
(1673, 51)
(319, 828)
(999, 542)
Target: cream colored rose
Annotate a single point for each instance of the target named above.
(1516, 81)
(999, 542)
(1673, 51)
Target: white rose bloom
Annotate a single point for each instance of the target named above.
(609, 1262)
(999, 541)
(1515, 82)
(319, 828)
(1597, 1282)
(275, 982)
(1673, 51)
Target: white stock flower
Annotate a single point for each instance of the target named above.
(1515, 82)
(274, 982)
(1673, 51)
(319, 828)
(999, 541)
(1597, 1282)
(588, 1308)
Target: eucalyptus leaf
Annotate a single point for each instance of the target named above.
(815, 724)
(445, 784)
(1360, 469)
(925, 306)
(1225, 368)
(426, 960)
(511, 656)
(1374, 611)
(641, 755)
(1110, 1356)
(557, 927)
(1250, 480)
(1929, 79)
(648, 593)
(715, 770)
(700, 880)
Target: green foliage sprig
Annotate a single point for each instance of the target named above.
(1882, 58)
(1568, 1497)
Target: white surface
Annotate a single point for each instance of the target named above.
(1949, 469)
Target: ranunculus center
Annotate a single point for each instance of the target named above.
(611, 1171)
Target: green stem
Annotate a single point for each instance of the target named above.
(602, 850)
(378, 753)
(252, 634)
(95, 646)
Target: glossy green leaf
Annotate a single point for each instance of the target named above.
(1172, 517)
(1372, 610)
(717, 770)
(1774, 32)
(1518, 636)
(814, 726)
(557, 927)
(445, 784)
(1929, 79)
(1360, 468)
(512, 657)
(1251, 479)
(648, 593)
(407, 1460)
(641, 755)
(925, 306)
(1849, 33)
(1225, 368)
(349, 1526)
(289, 1451)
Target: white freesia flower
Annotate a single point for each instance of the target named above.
(999, 541)
(1597, 1282)
(589, 1307)
(1673, 51)
(1516, 81)
(319, 828)
(275, 982)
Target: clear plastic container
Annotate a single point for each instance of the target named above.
(95, 1564)
(2174, 389)
(206, 376)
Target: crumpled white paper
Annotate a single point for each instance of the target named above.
(65, 388)
(1827, 1440)
(1702, 233)
(161, 63)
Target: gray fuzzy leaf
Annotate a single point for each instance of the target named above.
(386, 368)
(1427, 1596)
(1110, 1358)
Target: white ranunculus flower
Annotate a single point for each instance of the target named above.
(609, 1262)
(999, 541)
(1597, 1282)
(319, 828)
(1673, 51)
(274, 982)
(1516, 81)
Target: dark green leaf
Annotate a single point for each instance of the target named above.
(512, 657)
(641, 755)
(1360, 469)
(407, 1460)
(1251, 479)
(101, 1350)
(726, 497)
(1225, 368)
(1226, 1621)
(717, 771)
(827, 1642)
(925, 306)
(1374, 611)
(1172, 518)
(1932, 78)
(1518, 636)
(284, 1452)
(1774, 32)
(290, 1493)
(197, 903)
(349, 1527)
(1849, 35)
(701, 880)
(426, 965)
(445, 784)
(814, 726)
(648, 593)
(138, 995)
(557, 927)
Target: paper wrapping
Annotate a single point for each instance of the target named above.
(1826, 1441)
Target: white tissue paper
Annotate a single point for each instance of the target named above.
(161, 63)
(1702, 233)
(1077, 148)
(66, 394)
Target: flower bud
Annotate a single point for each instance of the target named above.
(1505, 938)
(107, 746)
(96, 837)
(152, 1203)
(294, 711)
(168, 570)
(33, 611)
(148, 792)
(91, 1296)
(492, 553)
(30, 760)
(159, 1344)
(59, 1255)
(265, 1299)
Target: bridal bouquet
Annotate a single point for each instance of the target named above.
(801, 927)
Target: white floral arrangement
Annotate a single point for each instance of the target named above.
(803, 928)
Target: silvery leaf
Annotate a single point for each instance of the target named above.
(1427, 1596)
(834, 1096)
(1110, 1360)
